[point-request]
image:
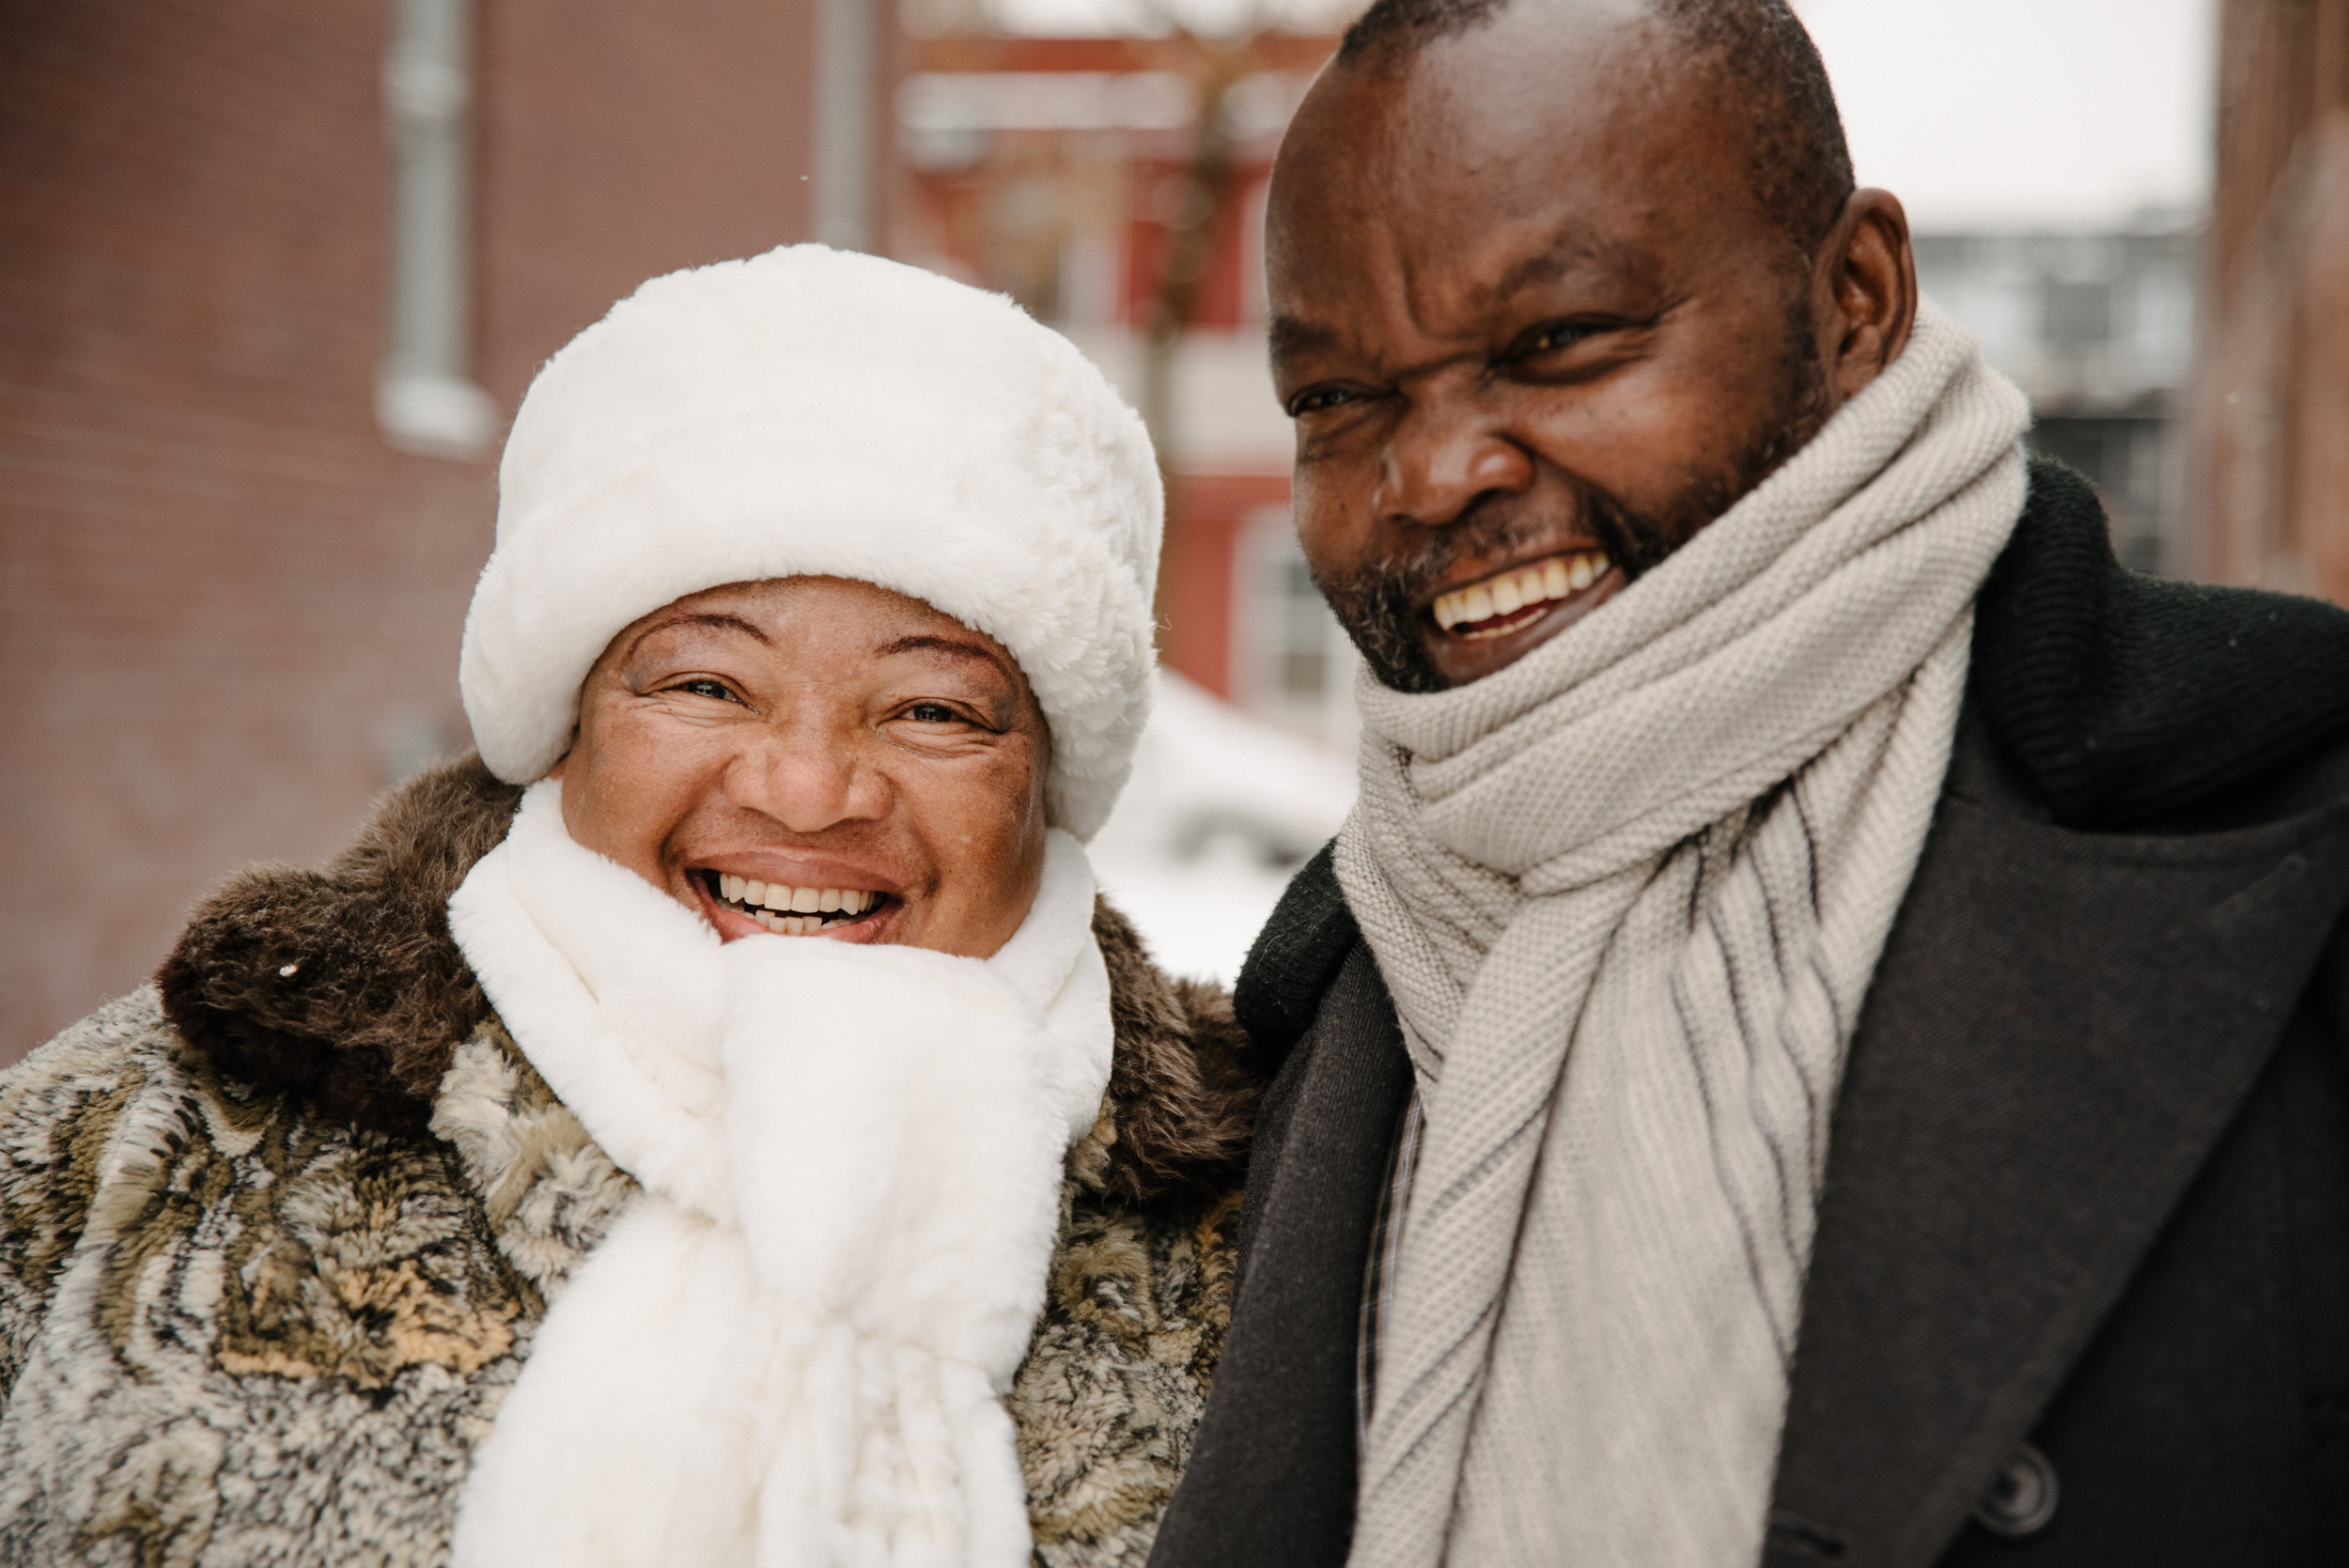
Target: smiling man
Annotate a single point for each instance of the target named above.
(1824, 1039)
(1638, 325)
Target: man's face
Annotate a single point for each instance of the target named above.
(1535, 329)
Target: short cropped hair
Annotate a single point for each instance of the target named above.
(1801, 162)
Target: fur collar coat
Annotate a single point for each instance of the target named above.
(276, 1232)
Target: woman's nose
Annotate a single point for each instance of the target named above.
(807, 780)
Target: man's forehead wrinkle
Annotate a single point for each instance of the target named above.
(1397, 337)
(1572, 247)
(1384, 245)
(1336, 297)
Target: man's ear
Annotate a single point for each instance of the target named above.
(1863, 291)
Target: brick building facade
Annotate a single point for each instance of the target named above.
(1064, 171)
(232, 605)
(2272, 406)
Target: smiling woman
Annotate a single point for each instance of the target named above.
(814, 756)
(720, 1124)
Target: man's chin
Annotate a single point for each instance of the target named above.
(1470, 653)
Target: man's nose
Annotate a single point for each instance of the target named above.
(1444, 455)
(808, 779)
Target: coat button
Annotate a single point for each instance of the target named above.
(2022, 1498)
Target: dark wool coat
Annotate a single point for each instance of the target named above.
(276, 1233)
(2080, 1288)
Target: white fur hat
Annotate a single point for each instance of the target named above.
(813, 411)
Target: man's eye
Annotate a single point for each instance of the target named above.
(707, 687)
(1316, 400)
(931, 713)
(1559, 334)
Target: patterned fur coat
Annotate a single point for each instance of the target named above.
(275, 1234)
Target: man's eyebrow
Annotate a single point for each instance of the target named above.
(1571, 247)
(1290, 335)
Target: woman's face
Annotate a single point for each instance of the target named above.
(817, 757)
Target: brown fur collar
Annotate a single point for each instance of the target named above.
(345, 986)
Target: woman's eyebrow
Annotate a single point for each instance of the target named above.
(931, 643)
(714, 619)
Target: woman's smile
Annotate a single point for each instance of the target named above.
(811, 756)
(789, 910)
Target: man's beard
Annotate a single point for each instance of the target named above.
(1375, 605)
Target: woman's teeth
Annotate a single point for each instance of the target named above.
(791, 911)
(1504, 594)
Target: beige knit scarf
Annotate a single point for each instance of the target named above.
(1629, 894)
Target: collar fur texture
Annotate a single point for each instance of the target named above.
(344, 986)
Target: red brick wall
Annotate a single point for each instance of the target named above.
(217, 584)
(1201, 569)
(2273, 390)
(620, 140)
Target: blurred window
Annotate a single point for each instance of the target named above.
(2079, 314)
(1291, 661)
(1303, 666)
(425, 400)
(2162, 311)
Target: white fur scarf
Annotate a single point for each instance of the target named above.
(1628, 894)
(791, 1350)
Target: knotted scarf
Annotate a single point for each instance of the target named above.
(1629, 894)
(791, 1350)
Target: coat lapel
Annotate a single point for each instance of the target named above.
(1270, 1480)
(2062, 1027)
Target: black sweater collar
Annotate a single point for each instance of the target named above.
(2122, 698)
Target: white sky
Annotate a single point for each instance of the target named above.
(1977, 113)
(2001, 113)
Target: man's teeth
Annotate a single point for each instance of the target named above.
(1506, 593)
(794, 911)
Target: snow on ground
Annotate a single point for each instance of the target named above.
(1222, 810)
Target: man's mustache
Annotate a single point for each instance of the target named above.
(1498, 530)
(1382, 606)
